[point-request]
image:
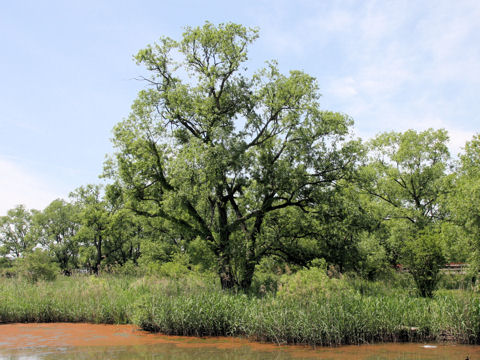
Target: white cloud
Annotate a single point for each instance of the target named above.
(344, 88)
(19, 186)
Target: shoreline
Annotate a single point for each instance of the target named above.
(40, 336)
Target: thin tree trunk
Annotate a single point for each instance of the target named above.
(98, 260)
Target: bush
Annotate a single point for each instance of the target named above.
(6, 267)
(424, 259)
(308, 283)
(454, 281)
(37, 265)
(373, 262)
(264, 282)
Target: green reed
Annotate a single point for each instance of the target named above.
(341, 314)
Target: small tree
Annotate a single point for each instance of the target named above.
(424, 258)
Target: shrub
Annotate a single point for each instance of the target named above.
(308, 283)
(424, 259)
(37, 265)
(373, 263)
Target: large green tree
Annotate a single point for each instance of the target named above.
(214, 151)
(406, 175)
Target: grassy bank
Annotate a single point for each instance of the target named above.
(330, 312)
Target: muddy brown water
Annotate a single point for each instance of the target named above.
(88, 341)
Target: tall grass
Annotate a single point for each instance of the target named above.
(337, 312)
(326, 321)
(77, 299)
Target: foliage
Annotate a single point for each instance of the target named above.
(372, 257)
(407, 178)
(220, 169)
(109, 234)
(106, 300)
(336, 319)
(176, 268)
(94, 218)
(6, 267)
(407, 172)
(363, 312)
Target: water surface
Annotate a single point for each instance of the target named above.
(87, 341)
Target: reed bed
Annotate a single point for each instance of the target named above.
(76, 299)
(324, 321)
(341, 315)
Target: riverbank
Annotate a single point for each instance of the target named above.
(336, 312)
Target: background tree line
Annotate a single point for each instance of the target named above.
(221, 169)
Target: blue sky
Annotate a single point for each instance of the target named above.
(67, 75)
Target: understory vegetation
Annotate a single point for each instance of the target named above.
(308, 307)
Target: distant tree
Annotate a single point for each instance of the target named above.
(93, 217)
(15, 236)
(406, 176)
(125, 230)
(109, 234)
(55, 228)
(215, 152)
(407, 172)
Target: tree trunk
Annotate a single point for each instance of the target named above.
(250, 260)
(227, 280)
(98, 260)
(248, 275)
